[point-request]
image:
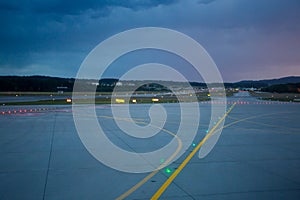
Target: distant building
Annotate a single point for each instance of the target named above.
(61, 89)
(119, 83)
(95, 83)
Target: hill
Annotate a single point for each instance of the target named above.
(283, 88)
(267, 82)
(54, 84)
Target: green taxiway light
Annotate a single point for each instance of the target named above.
(162, 160)
(168, 170)
(193, 144)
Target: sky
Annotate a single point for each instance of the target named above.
(247, 39)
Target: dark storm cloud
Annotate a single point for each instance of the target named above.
(77, 7)
(244, 37)
(36, 26)
(8, 6)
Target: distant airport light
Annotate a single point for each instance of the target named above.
(193, 144)
(69, 100)
(133, 100)
(155, 100)
(208, 95)
(120, 100)
(162, 160)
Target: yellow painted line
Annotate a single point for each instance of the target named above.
(144, 180)
(241, 120)
(265, 124)
(139, 184)
(189, 157)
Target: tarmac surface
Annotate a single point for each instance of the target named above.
(256, 157)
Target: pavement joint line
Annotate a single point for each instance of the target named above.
(246, 192)
(265, 124)
(241, 120)
(270, 171)
(50, 154)
(144, 180)
(189, 157)
(133, 120)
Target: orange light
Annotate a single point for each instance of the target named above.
(69, 100)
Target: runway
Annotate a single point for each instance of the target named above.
(256, 157)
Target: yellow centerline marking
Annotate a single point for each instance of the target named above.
(144, 180)
(189, 157)
(241, 120)
(265, 124)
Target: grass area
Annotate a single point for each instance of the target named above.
(40, 102)
(230, 93)
(102, 98)
(170, 99)
(70, 93)
(48, 93)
